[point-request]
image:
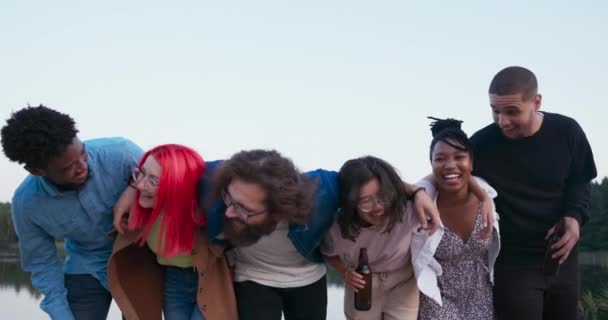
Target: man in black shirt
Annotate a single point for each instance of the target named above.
(541, 164)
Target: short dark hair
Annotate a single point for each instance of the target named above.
(449, 132)
(288, 191)
(34, 135)
(514, 80)
(352, 176)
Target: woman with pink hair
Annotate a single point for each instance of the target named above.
(167, 240)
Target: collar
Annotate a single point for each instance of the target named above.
(53, 190)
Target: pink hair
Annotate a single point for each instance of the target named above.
(176, 198)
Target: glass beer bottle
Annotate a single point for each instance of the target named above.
(363, 297)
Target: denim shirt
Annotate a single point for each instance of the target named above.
(43, 212)
(306, 238)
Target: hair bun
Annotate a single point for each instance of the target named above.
(443, 124)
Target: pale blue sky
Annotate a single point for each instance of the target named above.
(320, 81)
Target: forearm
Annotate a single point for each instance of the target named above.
(337, 264)
(409, 188)
(577, 202)
(39, 257)
(476, 189)
(56, 305)
(48, 278)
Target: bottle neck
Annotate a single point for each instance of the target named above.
(363, 256)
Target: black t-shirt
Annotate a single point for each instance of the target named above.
(539, 179)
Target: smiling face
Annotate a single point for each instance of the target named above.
(146, 181)
(246, 218)
(451, 167)
(517, 118)
(371, 203)
(70, 169)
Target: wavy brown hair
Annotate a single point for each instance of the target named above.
(288, 191)
(353, 175)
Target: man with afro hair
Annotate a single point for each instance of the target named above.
(69, 194)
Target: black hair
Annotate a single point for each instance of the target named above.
(449, 131)
(352, 176)
(34, 135)
(514, 80)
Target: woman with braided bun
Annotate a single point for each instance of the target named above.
(454, 266)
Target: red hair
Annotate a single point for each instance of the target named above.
(176, 198)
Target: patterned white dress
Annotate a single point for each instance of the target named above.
(465, 284)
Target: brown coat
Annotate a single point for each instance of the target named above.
(136, 280)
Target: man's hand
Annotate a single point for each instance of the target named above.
(567, 242)
(121, 209)
(427, 212)
(487, 218)
(487, 210)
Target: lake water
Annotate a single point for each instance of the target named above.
(19, 299)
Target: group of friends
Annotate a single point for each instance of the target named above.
(165, 232)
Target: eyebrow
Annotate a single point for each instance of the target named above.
(82, 152)
(248, 209)
(240, 204)
(143, 170)
(377, 195)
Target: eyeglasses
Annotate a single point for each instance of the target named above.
(241, 211)
(369, 203)
(149, 182)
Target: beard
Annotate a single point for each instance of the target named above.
(241, 234)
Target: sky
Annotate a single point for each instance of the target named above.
(320, 81)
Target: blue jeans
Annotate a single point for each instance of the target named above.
(88, 299)
(179, 297)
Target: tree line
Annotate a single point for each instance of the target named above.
(594, 235)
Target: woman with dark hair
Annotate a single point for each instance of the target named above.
(454, 266)
(376, 215)
(167, 240)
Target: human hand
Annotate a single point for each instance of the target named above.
(353, 279)
(566, 243)
(487, 218)
(121, 209)
(427, 212)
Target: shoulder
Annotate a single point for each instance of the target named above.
(29, 192)
(326, 180)
(486, 187)
(328, 175)
(112, 147)
(26, 199)
(109, 143)
(205, 186)
(562, 122)
(486, 135)
(212, 166)
(327, 184)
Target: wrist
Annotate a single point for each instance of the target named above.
(412, 196)
(576, 217)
